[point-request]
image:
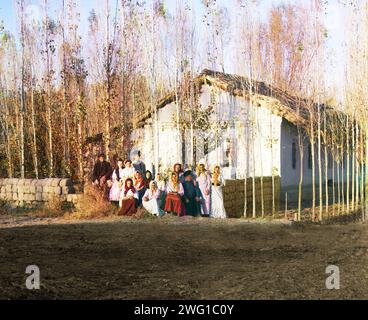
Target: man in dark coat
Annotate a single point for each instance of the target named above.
(191, 194)
(138, 164)
(101, 174)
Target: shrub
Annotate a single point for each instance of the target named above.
(92, 205)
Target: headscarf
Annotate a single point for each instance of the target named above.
(139, 183)
(199, 169)
(181, 169)
(153, 184)
(148, 181)
(175, 184)
(126, 188)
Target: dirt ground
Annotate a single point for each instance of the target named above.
(172, 258)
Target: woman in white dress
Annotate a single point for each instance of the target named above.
(117, 182)
(161, 185)
(217, 199)
(204, 185)
(128, 171)
(151, 199)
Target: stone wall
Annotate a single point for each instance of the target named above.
(32, 192)
(22, 192)
(233, 192)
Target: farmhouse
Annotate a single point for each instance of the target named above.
(249, 129)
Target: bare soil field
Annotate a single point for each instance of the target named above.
(172, 258)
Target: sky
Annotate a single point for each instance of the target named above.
(334, 20)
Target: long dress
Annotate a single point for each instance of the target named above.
(115, 190)
(152, 204)
(174, 201)
(161, 185)
(191, 192)
(127, 203)
(204, 184)
(141, 189)
(217, 200)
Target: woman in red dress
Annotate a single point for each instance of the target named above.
(175, 191)
(128, 198)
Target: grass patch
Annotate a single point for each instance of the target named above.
(91, 205)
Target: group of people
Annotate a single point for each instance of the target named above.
(131, 186)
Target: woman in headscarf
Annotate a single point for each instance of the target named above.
(117, 184)
(139, 186)
(217, 200)
(151, 198)
(178, 169)
(161, 185)
(128, 198)
(148, 178)
(204, 184)
(175, 191)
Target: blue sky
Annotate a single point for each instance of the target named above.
(334, 21)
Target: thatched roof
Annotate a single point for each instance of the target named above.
(278, 101)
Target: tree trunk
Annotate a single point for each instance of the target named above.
(366, 177)
(320, 182)
(313, 176)
(343, 179)
(356, 165)
(347, 165)
(352, 167)
(7, 124)
(48, 95)
(22, 95)
(326, 162)
(35, 156)
(333, 183)
(300, 186)
(338, 189)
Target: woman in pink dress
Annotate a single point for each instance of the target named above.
(117, 182)
(204, 185)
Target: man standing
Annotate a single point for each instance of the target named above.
(138, 164)
(191, 194)
(101, 174)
